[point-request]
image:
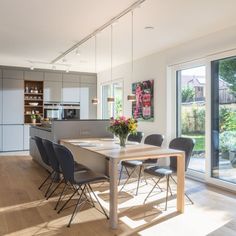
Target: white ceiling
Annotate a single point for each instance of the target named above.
(36, 30)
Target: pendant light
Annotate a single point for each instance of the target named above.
(95, 100)
(111, 98)
(132, 97)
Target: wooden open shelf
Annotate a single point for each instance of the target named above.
(33, 93)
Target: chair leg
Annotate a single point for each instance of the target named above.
(127, 179)
(59, 199)
(73, 214)
(63, 206)
(152, 189)
(53, 191)
(184, 193)
(167, 189)
(120, 174)
(41, 185)
(139, 175)
(50, 185)
(98, 201)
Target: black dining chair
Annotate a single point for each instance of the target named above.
(79, 180)
(51, 176)
(180, 143)
(48, 146)
(153, 139)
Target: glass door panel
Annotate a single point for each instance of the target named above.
(223, 144)
(191, 86)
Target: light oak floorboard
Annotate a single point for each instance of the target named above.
(24, 210)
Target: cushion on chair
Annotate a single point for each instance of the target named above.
(84, 177)
(132, 163)
(158, 171)
(80, 167)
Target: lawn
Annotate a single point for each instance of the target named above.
(199, 141)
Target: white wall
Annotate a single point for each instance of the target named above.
(157, 67)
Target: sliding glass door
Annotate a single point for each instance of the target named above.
(191, 109)
(223, 119)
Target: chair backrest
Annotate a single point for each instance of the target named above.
(66, 162)
(48, 145)
(136, 137)
(42, 150)
(154, 139)
(183, 144)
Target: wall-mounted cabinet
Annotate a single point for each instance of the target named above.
(33, 101)
(12, 101)
(52, 91)
(0, 97)
(13, 137)
(13, 74)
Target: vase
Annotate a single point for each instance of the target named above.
(123, 140)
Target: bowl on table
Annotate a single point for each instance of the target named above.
(33, 103)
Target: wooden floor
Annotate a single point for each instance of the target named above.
(24, 210)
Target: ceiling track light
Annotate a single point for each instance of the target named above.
(101, 28)
(77, 52)
(32, 67)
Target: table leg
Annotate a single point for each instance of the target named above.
(113, 173)
(180, 182)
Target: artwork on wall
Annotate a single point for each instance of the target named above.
(143, 107)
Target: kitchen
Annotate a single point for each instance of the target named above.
(27, 93)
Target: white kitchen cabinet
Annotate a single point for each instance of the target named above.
(52, 91)
(87, 93)
(13, 137)
(0, 138)
(26, 137)
(70, 92)
(13, 101)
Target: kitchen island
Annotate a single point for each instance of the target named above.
(67, 129)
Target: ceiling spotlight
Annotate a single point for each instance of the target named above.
(32, 67)
(149, 27)
(77, 52)
(67, 69)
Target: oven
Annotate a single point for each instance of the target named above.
(57, 111)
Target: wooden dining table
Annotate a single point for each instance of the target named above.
(105, 154)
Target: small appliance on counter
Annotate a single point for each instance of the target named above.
(61, 111)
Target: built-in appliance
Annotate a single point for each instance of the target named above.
(60, 111)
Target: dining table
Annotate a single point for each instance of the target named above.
(105, 154)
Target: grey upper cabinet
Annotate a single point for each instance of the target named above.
(75, 78)
(13, 74)
(34, 75)
(70, 92)
(13, 137)
(52, 91)
(53, 76)
(13, 101)
(88, 79)
(87, 109)
(0, 97)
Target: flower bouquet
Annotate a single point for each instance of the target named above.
(121, 127)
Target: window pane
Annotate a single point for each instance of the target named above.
(224, 119)
(191, 112)
(118, 95)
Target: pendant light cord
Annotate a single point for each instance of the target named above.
(111, 50)
(132, 44)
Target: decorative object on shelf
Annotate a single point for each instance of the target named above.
(111, 99)
(121, 127)
(132, 97)
(33, 100)
(33, 118)
(143, 108)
